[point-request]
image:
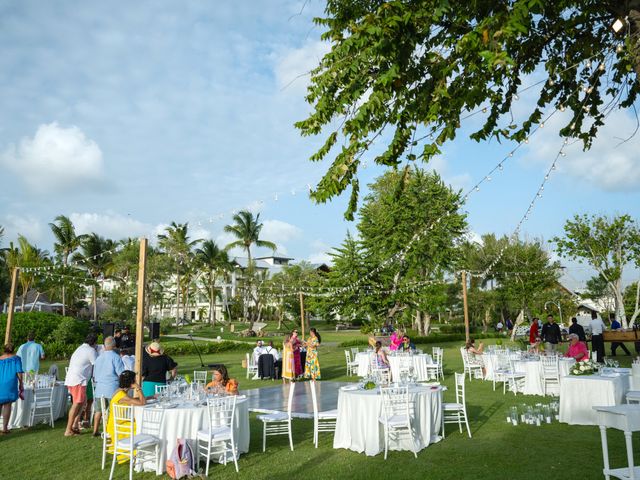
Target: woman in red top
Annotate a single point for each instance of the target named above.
(533, 332)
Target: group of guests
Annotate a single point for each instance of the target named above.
(292, 356)
(400, 342)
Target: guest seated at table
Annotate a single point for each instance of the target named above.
(222, 382)
(396, 340)
(407, 345)
(258, 350)
(10, 383)
(381, 357)
(471, 347)
(577, 349)
(126, 384)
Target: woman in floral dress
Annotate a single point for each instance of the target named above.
(287, 360)
(312, 365)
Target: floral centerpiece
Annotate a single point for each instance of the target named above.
(585, 367)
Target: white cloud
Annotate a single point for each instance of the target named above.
(28, 226)
(320, 253)
(460, 181)
(55, 159)
(111, 225)
(279, 232)
(293, 67)
(609, 164)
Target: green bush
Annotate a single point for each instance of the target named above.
(208, 348)
(456, 328)
(354, 343)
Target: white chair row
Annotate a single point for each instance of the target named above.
(252, 366)
(352, 364)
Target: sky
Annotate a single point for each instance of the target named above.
(126, 116)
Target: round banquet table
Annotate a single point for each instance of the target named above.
(532, 369)
(184, 421)
(358, 428)
(21, 410)
(419, 363)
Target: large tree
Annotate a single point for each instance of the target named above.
(609, 245)
(66, 243)
(406, 73)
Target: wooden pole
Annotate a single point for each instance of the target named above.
(466, 306)
(12, 299)
(142, 277)
(302, 314)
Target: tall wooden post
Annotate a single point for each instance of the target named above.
(302, 322)
(12, 299)
(465, 305)
(142, 280)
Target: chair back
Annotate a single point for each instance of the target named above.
(550, 367)
(354, 351)
(460, 394)
(221, 412)
(292, 387)
(42, 397)
(465, 356)
(200, 376)
(44, 381)
(104, 409)
(151, 422)
(395, 401)
(160, 389)
(251, 361)
(314, 398)
(122, 424)
(347, 356)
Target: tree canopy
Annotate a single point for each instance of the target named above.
(412, 71)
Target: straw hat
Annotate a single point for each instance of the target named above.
(155, 349)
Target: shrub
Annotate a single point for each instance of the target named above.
(456, 328)
(208, 348)
(354, 343)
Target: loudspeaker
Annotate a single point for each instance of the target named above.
(154, 330)
(108, 329)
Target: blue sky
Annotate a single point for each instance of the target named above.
(126, 116)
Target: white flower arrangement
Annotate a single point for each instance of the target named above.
(585, 367)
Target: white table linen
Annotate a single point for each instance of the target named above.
(184, 421)
(579, 394)
(419, 363)
(21, 410)
(363, 363)
(358, 428)
(533, 384)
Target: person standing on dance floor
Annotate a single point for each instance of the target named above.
(295, 346)
(288, 372)
(312, 365)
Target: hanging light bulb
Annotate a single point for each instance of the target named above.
(542, 125)
(562, 108)
(500, 167)
(511, 154)
(589, 64)
(484, 110)
(488, 178)
(516, 97)
(526, 140)
(619, 48)
(601, 67)
(573, 126)
(553, 167)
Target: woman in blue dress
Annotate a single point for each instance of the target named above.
(10, 383)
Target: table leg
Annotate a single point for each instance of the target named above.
(627, 437)
(605, 451)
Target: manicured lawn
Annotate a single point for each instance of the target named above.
(496, 451)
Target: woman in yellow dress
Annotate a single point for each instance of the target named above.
(312, 364)
(287, 360)
(126, 382)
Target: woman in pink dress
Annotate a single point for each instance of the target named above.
(396, 340)
(295, 346)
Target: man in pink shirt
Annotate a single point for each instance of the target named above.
(577, 349)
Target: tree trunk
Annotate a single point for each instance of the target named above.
(619, 305)
(178, 298)
(426, 322)
(519, 321)
(636, 310)
(33, 304)
(212, 306)
(487, 320)
(95, 303)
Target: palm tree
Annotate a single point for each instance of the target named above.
(26, 256)
(247, 231)
(95, 256)
(175, 243)
(67, 242)
(214, 262)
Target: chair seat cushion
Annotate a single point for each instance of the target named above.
(218, 433)
(328, 414)
(395, 420)
(139, 441)
(452, 406)
(274, 417)
(633, 395)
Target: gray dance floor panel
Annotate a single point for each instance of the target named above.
(274, 399)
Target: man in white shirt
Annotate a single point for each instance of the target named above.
(259, 350)
(597, 342)
(128, 360)
(79, 373)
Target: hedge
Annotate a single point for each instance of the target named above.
(433, 338)
(205, 348)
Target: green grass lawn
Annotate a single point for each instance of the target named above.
(496, 451)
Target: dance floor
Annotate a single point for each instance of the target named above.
(274, 399)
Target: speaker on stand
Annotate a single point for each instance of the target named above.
(108, 330)
(154, 330)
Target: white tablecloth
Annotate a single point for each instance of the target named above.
(21, 409)
(363, 363)
(419, 363)
(533, 384)
(358, 428)
(578, 394)
(184, 422)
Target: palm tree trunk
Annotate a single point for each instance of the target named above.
(34, 301)
(95, 303)
(178, 298)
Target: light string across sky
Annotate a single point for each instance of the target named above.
(399, 256)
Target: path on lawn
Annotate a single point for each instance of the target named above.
(185, 336)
